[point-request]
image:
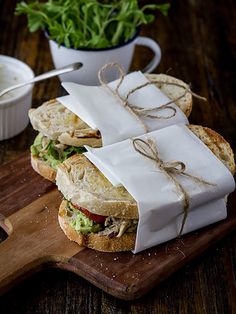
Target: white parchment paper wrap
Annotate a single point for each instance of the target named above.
(160, 207)
(101, 110)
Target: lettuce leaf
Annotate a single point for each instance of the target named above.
(50, 153)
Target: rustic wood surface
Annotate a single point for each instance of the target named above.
(35, 241)
(198, 41)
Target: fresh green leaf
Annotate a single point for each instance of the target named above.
(88, 23)
(51, 154)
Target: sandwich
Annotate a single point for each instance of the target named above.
(62, 133)
(96, 214)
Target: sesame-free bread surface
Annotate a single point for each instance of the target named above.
(173, 91)
(84, 185)
(217, 144)
(56, 122)
(42, 168)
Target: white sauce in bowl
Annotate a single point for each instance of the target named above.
(7, 79)
(12, 72)
(15, 105)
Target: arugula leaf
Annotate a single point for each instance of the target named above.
(88, 23)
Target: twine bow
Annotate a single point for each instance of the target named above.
(149, 150)
(140, 112)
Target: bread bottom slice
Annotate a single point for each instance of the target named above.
(93, 240)
(43, 169)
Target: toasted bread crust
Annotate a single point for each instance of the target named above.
(43, 169)
(93, 240)
(217, 144)
(84, 185)
(57, 122)
(173, 92)
(68, 139)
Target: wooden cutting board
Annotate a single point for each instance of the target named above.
(28, 207)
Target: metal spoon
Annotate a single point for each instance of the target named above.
(44, 76)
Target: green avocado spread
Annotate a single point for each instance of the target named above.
(112, 227)
(80, 222)
(52, 152)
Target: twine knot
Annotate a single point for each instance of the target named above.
(139, 112)
(149, 150)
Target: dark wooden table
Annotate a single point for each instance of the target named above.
(198, 41)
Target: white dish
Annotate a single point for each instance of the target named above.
(14, 106)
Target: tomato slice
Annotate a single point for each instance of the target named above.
(97, 218)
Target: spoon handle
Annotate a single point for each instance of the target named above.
(44, 76)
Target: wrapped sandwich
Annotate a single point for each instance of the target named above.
(98, 215)
(62, 133)
(132, 105)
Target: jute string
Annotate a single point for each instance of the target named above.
(139, 112)
(149, 150)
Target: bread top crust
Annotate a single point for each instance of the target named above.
(217, 144)
(172, 91)
(55, 121)
(84, 185)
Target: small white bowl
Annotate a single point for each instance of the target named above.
(15, 105)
